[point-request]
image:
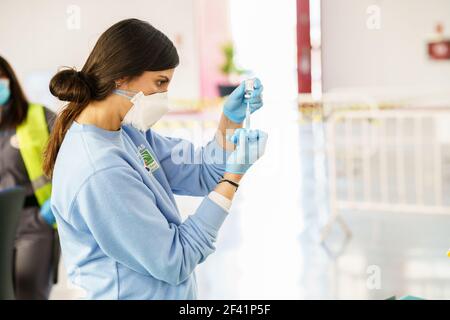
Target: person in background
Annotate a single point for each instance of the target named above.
(24, 132)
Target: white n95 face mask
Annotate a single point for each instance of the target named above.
(146, 110)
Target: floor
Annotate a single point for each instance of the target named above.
(269, 247)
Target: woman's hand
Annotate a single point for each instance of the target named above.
(250, 146)
(236, 104)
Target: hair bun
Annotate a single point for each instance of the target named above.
(71, 85)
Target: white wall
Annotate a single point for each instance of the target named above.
(34, 37)
(395, 55)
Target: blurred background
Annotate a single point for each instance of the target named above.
(352, 198)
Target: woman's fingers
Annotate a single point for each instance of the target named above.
(257, 83)
(262, 135)
(235, 137)
(255, 107)
(243, 135)
(240, 136)
(256, 94)
(253, 135)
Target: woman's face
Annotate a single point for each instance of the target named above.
(150, 82)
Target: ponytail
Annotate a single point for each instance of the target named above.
(76, 88)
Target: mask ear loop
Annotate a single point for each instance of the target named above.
(125, 93)
(122, 93)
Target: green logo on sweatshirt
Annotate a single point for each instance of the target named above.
(149, 162)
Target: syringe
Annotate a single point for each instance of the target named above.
(249, 88)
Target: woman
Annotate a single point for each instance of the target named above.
(24, 131)
(114, 178)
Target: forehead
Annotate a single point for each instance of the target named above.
(159, 74)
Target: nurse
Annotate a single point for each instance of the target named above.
(114, 179)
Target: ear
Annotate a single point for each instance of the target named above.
(122, 83)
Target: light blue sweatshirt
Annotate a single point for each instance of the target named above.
(121, 233)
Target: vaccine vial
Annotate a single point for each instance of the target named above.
(249, 88)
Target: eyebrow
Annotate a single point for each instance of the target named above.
(164, 77)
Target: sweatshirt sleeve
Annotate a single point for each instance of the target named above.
(129, 227)
(190, 171)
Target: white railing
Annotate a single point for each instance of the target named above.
(386, 160)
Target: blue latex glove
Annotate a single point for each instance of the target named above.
(47, 214)
(250, 146)
(236, 105)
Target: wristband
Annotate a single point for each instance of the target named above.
(230, 182)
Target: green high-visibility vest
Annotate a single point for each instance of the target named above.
(33, 137)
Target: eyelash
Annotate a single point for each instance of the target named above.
(161, 82)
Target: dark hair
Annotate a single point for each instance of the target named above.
(126, 50)
(17, 109)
